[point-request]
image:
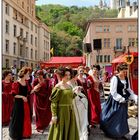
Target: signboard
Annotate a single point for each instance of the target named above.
(128, 59)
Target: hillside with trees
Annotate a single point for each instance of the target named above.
(68, 25)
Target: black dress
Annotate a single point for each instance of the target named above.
(16, 126)
(114, 114)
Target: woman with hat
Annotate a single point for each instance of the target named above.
(114, 113)
(42, 90)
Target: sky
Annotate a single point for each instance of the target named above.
(78, 3)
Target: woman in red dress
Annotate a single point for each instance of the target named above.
(7, 98)
(82, 80)
(42, 90)
(94, 97)
(20, 123)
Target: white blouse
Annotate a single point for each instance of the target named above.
(117, 96)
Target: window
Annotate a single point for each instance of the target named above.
(99, 29)
(27, 9)
(22, 4)
(14, 48)
(21, 32)
(106, 28)
(36, 28)
(32, 26)
(107, 42)
(7, 9)
(108, 58)
(132, 28)
(44, 44)
(119, 43)
(105, 57)
(7, 63)
(27, 36)
(31, 53)
(136, 42)
(15, 30)
(7, 46)
(101, 58)
(27, 52)
(21, 50)
(131, 42)
(46, 56)
(14, 14)
(119, 28)
(7, 27)
(32, 39)
(32, 13)
(47, 45)
(36, 54)
(97, 58)
(35, 41)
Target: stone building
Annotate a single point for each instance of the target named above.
(25, 39)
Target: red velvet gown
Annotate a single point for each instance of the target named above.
(7, 102)
(20, 123)
(83, 84)
(42, 105)
(93, 101)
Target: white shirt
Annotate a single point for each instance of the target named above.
(117, 96)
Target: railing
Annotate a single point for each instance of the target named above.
(119, 49)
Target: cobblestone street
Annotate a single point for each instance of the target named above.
(95, 133)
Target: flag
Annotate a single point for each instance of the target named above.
(51, 51)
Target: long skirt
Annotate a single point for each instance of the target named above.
(20, 123)
(42, 112)
(7, 106)
(94, 106)
(80, 104)
(114, 118)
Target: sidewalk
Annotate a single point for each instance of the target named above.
(95, 133)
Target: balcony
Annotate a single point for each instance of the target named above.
(119, 49)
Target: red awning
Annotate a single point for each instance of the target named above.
(64, 61)
(120, 59)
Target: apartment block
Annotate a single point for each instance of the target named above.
(117, 36)
(25, 39)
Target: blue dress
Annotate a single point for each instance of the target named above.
(114, 114)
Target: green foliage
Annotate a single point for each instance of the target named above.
(68, 24)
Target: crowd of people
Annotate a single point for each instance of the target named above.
(68, 100)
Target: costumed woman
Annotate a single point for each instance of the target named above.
(20, 123)
(63, 125)
(115, 110)
(80, 104)
(81, 79)
(42, 104)
(7, 97)
(94, 97)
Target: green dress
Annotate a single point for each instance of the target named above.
(61, 106)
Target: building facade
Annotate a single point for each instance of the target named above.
(129, 11)
(25, 39)
(116, 35)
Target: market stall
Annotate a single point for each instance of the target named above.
(56, 62)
